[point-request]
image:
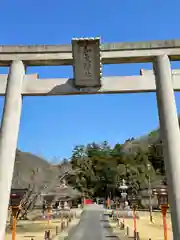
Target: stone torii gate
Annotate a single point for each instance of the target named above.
(86, 56)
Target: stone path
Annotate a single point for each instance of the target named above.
(93, 225)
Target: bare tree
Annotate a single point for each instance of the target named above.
(39, 185)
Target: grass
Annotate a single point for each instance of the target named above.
(36, 229)
(148, 230)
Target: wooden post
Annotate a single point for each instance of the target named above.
(14, 222)
(137, 236)
(57, 230)
(127, 231)
(49, 215)
(116, 211)
(123, 217)
(164, 211)
(134, 219)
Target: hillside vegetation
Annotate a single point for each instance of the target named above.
(30, 168)
(98, 169)
(101, 168)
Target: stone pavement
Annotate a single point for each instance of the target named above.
(93, 225)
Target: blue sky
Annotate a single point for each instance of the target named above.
(52, 126)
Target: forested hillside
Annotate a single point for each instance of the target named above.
(30, 168)
(98, 169)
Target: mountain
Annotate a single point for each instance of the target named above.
(144, 141)
(30, 168)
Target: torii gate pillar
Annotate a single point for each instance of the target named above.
(9, 136)
(170, 134)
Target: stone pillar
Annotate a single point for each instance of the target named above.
(170, 135)
(9, 136)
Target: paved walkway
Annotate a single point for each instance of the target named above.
(93, 225)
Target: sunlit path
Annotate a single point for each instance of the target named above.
(93, 225)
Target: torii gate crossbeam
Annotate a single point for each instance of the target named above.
(112, 53)
(17, 84)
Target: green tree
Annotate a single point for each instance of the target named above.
(100, 168)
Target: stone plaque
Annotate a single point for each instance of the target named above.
(86, 62)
